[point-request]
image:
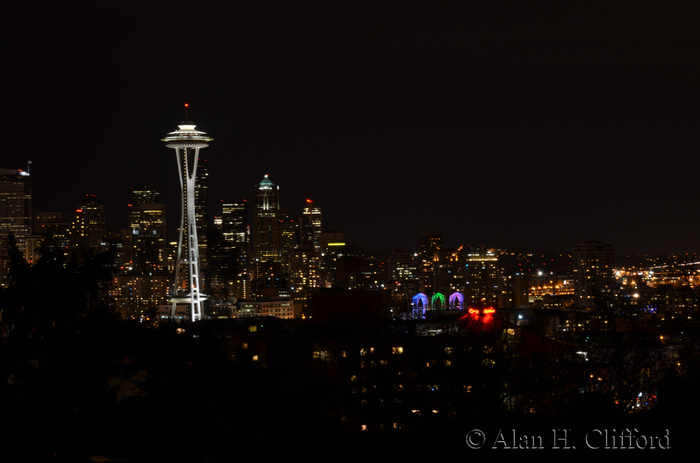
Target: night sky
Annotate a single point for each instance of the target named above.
(523, 125)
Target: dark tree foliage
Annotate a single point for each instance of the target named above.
(54, 292)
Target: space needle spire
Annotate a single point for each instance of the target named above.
(186, 141)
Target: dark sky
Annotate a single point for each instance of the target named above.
(520, 125)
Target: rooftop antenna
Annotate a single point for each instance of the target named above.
(187, 111)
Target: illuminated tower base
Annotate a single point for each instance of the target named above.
(187, 142)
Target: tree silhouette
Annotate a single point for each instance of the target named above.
(54, 292)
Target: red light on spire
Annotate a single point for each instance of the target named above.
(309, 201)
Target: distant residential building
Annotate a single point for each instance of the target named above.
(305, 274)
(513, 291)
(593, 263)
(482, 276)
(137, 296)
(269, 307)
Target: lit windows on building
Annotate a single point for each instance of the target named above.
(268, 307)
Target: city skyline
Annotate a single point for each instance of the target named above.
(298, 211)
(518, 128)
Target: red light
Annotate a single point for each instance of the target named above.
(78, 210)
(474, 311)
(187, 105)
(309, 201)
(489, 311)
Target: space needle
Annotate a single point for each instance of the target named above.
(186, 141)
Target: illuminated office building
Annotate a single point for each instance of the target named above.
(305, 274)
(311, 226)
(147, 222)
(52, 224)
(234, 222)
(88, 224)
(289, 238)
(449, 270)
(428, 243)
(15, 212)
(201, 212)
(402, 271)
(266, 225)
(228, 252)
(333, 250)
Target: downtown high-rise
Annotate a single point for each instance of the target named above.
(15, 213)
(147, 230)
(88, 225)
(266, 227)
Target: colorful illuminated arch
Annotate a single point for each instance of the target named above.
(438, 298)
(456, 301)
(420, 301)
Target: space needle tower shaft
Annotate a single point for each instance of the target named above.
(186, 141)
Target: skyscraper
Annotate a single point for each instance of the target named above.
(311, 226)
(266, 223)
(148, 230)
(428, 243)
(52, 224)
(305, 274)
(236, 232)
(88, 224)
(15, 212)
(289, 238)
(186, 141)
(234, 222)
(201, 212)
(228, 252)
